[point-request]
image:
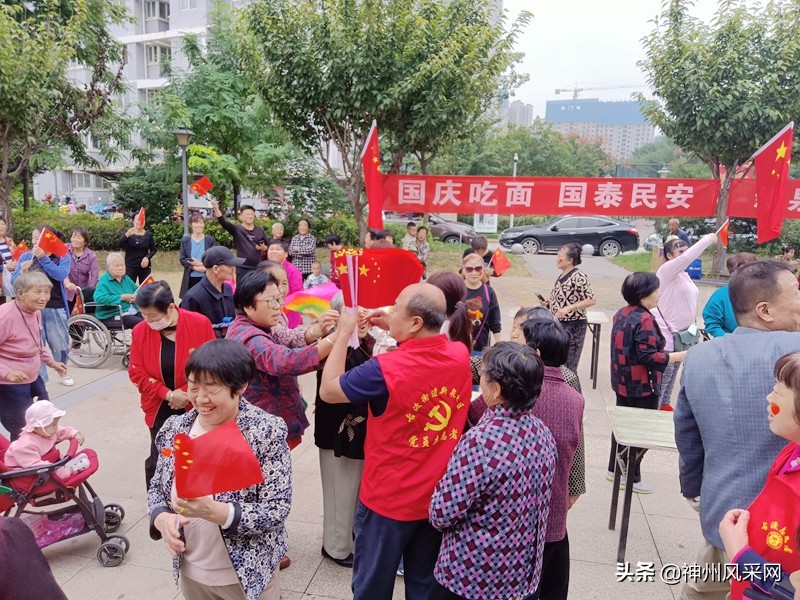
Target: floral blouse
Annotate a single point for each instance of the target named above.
(571, 288)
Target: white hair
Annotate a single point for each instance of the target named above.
(112, 256)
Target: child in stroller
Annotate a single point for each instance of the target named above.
(38, 438)
(34, 475)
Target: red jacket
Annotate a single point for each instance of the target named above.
(193, 331)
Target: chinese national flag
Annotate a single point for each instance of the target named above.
(21, 249)
(500, 262)
(150, 279)
(723, 232)
(140, 219)
(202, 186)
(371, 163)
(50, 243)
(216, 462)
(772, 174)
(374, 278)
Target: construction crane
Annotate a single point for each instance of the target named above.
(576, 90)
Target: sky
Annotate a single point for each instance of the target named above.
(591, 43)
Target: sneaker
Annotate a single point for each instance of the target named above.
(401, 572)
(610, 476)
(640, 488)
(666, 407)
(68, 381)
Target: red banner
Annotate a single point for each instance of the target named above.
(550, 195)
(742, 199)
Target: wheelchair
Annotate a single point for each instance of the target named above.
(93, 341)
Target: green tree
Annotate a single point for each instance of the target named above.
(724, 89)
(425, 69)
(236, 143)
(648, 159)
(43, 109)
(156, 187)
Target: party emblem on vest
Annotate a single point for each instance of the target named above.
(776, 536)
(434, 409)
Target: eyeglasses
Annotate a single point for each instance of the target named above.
(471, 269)
(274, 303)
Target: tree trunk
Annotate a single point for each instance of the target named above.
(236, 191)
(26, 190)
(721, 215)
(5, 197)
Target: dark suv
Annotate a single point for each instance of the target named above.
(608, 236)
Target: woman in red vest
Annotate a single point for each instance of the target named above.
(767, 531)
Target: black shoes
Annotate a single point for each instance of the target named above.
(342, 562)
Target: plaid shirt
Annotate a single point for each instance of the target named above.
(307, 253)
(637, 353)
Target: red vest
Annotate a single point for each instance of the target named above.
(408, 446)
(774, 519)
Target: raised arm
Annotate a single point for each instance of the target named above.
(673, 267)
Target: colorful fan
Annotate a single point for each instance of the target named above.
(313, 301)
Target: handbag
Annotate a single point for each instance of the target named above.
(683, 339)
(8, 287)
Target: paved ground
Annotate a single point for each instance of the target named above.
(105, 407)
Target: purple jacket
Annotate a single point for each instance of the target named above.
(275, 388)
(560, 408)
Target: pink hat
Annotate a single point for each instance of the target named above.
(41, 414)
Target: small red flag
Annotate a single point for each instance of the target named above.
(772, 174)
(373, 180)
(140, 218)
(723, 232)
(500, 262)
(21, 249)
(375, 277)
(150, 279)
(51, 244)
(216, 462)
(202, 186)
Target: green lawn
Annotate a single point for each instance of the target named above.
(640, 261)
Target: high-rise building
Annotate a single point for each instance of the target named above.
(620, 126)
(517, 113)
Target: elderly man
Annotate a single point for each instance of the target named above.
(278, 233)
(213, 297)
(414, 425)
(721, 428)
(675, 229)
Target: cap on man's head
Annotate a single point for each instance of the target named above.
(220, 255)
(41, 414)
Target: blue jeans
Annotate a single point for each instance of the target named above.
(15, 400)
(381, 543)
(55, 335)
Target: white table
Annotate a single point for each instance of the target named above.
(638, 429)
(595, 320)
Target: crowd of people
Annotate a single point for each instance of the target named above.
(461, 476)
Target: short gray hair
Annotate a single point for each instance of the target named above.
(31, 279)
(432, 313)
(112, 256)
(337, 302)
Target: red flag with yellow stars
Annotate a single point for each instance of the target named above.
(375, 277)
(202, 186)
(500, 262)
(216, 462)
(140, 219)
(373, 179)
(51, 244)
(150, 279)
(21, 249)
(772, 174)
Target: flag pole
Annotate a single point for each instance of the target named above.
(369, 137)
(773, 138)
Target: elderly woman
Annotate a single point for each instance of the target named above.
(193, 246)
(676, 312)
(227, 545)
(22, 350)
(303, 248)
(83, 272)
(159, 350)
(483, 534)
(481, 301)
(570, 297)
(278, 252)
(638, 357)
(56, 314)
(114, 289)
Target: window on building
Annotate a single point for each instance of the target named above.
(188, 4)
(83, 181)
(101, 183)
(157, 54)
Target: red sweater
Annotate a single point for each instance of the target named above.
(193, 331)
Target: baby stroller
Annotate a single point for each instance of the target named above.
(40, 487)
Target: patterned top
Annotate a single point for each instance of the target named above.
(256, 540)
(492, 505)
(423, 249)
(306, 254)
(571, 288)
(637, 353)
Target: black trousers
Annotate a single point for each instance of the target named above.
(554, 583)
(651, 402)
(164, 413)
(134, 272)
(439, 592)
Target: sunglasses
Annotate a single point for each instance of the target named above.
(471, 269)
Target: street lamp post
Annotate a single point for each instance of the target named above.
(663, 171)
(184, 136)
(514, 174)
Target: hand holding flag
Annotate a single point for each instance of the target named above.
(140, 219)
(51, 244)
(500, 262)
(21, 249)
(202, 186)
(722, 232)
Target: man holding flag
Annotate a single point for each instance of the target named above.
(51, 257)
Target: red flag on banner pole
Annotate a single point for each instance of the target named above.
(500, 262)
(202, 186)
(375, 277)
(723, 232)
(772, 174)
(49, 242)
(140, 219)
(21, 249)
(371, 163)
(216, 462)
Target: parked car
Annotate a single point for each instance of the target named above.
(449, 232)
(609, 236)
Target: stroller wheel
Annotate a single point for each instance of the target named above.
(120, 539)
(112, 520)
(111, 553)
(126, 360)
